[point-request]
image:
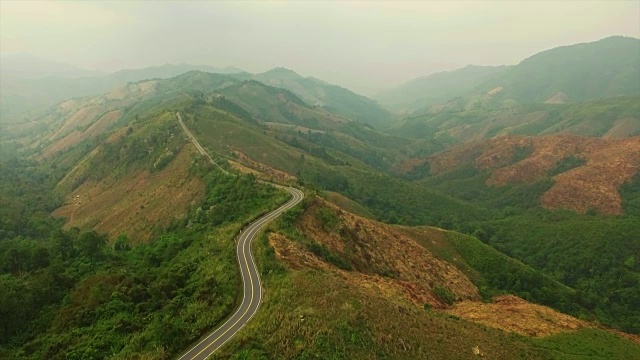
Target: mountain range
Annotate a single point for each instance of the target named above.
(482, 223)
(606, 68)
(55, 82)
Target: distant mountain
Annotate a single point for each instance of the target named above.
(437, 88)
(605, 68)
(166, 71)
(22, 94)
(263, 108)
(331, 97)
(27, 66)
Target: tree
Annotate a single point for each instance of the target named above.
(122, 243)
(91, 244)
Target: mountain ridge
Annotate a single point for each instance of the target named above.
(604, 68)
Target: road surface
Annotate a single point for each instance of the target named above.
(252, 288)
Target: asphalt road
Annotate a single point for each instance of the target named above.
(252, 288)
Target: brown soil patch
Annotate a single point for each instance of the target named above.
(633, 337)
(77, 136)
(244, 169)
(85, 118)
(495, 90)
(102, 123)
(145, 88)
(412, 271)
(609, 164)
(381, 254)
(78, 118)
(136, 205)
(511, 313)
(298, 258)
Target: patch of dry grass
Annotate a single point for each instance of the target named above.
(137, 204)
(511, 313)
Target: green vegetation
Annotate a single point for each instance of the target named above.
(73, 295)
(500, 274)
(566, 164)
(445, 295)
(613, 61)
(328, 219)
(592, 254)
(630, 193)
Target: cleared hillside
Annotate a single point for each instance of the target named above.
(338, 285)
(586, 172)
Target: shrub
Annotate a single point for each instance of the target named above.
(445, 295)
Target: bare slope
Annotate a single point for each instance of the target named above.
(600, 167)
(136, 182)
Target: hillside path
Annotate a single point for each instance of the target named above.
(197, 144)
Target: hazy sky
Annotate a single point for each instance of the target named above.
(366, 46)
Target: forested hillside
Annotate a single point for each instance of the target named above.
(462, 120)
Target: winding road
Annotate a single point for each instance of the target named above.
(252, 288)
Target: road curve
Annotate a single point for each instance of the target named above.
(252, 288)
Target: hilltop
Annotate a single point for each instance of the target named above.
(31, 86)
(328, 96)
(601, 69)
(21, 94)
(605, 68)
